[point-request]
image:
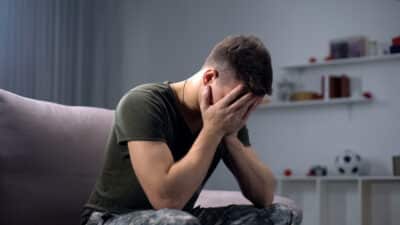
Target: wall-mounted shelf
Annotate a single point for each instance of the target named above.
(339, 178)
(343, 62)
(345, 200)
(335, 101)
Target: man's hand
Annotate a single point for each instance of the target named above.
(227, 116)
(255, 179)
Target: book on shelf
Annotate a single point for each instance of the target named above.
(339, 86)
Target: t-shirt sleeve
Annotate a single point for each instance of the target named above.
(139, 116)
(243, 136)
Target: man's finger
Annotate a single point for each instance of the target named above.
(246, 107)
(241, 101)
(205, 98)
(232, 95)
(251, 109)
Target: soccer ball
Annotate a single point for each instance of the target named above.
(348, 163)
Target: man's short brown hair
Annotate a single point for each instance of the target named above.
(249, 60)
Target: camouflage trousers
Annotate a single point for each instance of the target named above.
(277, 214)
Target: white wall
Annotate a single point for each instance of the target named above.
(168, 40)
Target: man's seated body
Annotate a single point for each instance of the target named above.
(168, 138)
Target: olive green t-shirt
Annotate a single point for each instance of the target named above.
(147, 112)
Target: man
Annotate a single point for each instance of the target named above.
(168, 138)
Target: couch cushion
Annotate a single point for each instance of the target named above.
(49, 157)
(217, 198)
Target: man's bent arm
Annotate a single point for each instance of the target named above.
(255, 179)
(170, 184)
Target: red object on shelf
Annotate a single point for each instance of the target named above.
(328, 58)
(396, 41)
(287, 172)
(312, 60)
(367, 94)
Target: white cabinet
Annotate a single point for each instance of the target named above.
(345, 200)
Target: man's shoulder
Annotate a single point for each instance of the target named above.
(148, 96)
(148, 89)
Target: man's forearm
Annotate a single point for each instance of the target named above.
(256, 180)
(185, 176)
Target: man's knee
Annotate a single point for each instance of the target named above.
(283, 214)
(276, 214)
(173, 217)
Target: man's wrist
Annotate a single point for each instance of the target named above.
(231, 139)
(230, 136)
(214, 132)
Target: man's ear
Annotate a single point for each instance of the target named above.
(209, 75)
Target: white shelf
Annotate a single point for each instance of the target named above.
(343, 62)
(346, 200)
(353, 100)
(339, 178)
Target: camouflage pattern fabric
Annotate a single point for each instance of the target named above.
(276, 214)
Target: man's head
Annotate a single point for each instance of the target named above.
(238, 60)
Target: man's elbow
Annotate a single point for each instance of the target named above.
(267, 197)
(270, 187)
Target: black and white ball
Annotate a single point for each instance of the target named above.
(348, 163)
